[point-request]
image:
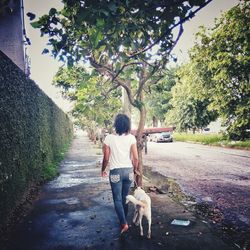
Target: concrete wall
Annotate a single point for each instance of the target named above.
(11, 36)
(33, 133)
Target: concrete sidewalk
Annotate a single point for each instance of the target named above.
(75, 211)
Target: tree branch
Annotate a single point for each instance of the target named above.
(142, 80)
(128, 91)
(102, 69)
(156, 67)
(156, 81)
(177, 38)
(191, 15)
(123, 67)
(106, 93)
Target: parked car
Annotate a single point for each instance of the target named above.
(163, 137)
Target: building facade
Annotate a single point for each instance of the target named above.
(12, 33)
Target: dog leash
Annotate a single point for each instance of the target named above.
(135, 182)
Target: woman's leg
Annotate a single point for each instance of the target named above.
(127, 180)
(115, 178)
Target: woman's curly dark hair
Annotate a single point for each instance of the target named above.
(122, 124)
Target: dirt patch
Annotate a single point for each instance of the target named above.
(220, 222)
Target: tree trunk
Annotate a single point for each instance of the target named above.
(155, 121)
(140, 140)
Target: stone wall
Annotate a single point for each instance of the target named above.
(33, 134)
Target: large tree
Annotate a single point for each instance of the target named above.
(158, 98)
(115, 36)
(94, 106)
(190, 100)
(222, 57)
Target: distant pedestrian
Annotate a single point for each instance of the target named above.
(120, 151)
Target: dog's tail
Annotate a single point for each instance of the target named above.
(131, 198)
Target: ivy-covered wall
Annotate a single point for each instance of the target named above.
(33, 134)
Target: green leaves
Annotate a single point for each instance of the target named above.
(52, 11)
(36, 24)
(93, 101)
(128, 25)
(158, 97)
(189, 103)
(119, 40)
(31, 16)
(222, 61)
(45, 51)
(112, 7)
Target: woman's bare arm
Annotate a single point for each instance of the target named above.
(135, 158)
(105, 160)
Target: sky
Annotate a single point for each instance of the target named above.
(44, 67)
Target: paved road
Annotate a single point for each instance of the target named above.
(212, 174)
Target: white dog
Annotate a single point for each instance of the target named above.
(142, 204)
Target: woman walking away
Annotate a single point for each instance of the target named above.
(120, 151)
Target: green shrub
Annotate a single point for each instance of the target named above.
(34, 133)
(211, 139)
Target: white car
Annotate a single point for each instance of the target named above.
(163, 137)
